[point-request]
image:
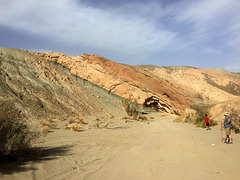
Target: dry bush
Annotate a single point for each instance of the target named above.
(179, 119)
(49, 124)
(197, 118)
(16, 136)
(75, 127)
(201, 109)
(45, 123)
(235, 116)
(46, 129)
(131, 109)
(71, 120)
(142, 118)
(80, 120)
(126, 117)
(65, 126)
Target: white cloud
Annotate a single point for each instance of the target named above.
(182, 29)
(73, 23)
(207, 19)
(234, 67)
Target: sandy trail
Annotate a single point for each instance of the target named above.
(159, 150)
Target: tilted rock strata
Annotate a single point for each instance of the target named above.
(40, 89)
(124, 80)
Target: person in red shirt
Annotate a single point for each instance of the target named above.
(207, 121)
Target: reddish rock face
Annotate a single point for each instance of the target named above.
(169, 89)
(127, 81)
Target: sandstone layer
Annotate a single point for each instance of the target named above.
(127, 81)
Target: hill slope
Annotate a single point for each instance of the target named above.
(86, 84)
(124, 80)
(40, 89)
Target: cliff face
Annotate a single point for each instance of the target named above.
(127, 81)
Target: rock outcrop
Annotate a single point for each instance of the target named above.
(40, 89)
(127, 81)
(57, 83)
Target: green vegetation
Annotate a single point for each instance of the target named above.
(197, 118)
(235, 115)
(16, 137)
(133, 111)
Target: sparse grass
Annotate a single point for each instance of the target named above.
(197, 118)
(62, 118)
(142, 118)
(16, 136)
(235, 116)
(212, 122)
(131, 109)
(179, 119)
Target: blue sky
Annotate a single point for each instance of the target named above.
(198, 33)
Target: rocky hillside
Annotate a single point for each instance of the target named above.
(124, 80)
(213, 85)
(217, 87)
(90, 84)
(39, 88)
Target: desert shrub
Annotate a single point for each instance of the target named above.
(16, 136)
(188, 118)
(131, 108)
(201, 124)
(48, 123)
(236, 129)
(45, 123)
(212, 122)
(65, 126)
(75, 127)
(197, 119)
(179, 119)
(71, 120)
(142, 118)
(235, 116)
(126, 117)
(81, 120)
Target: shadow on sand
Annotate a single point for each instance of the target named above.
(37, 155)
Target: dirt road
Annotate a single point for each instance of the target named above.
(161, 149)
